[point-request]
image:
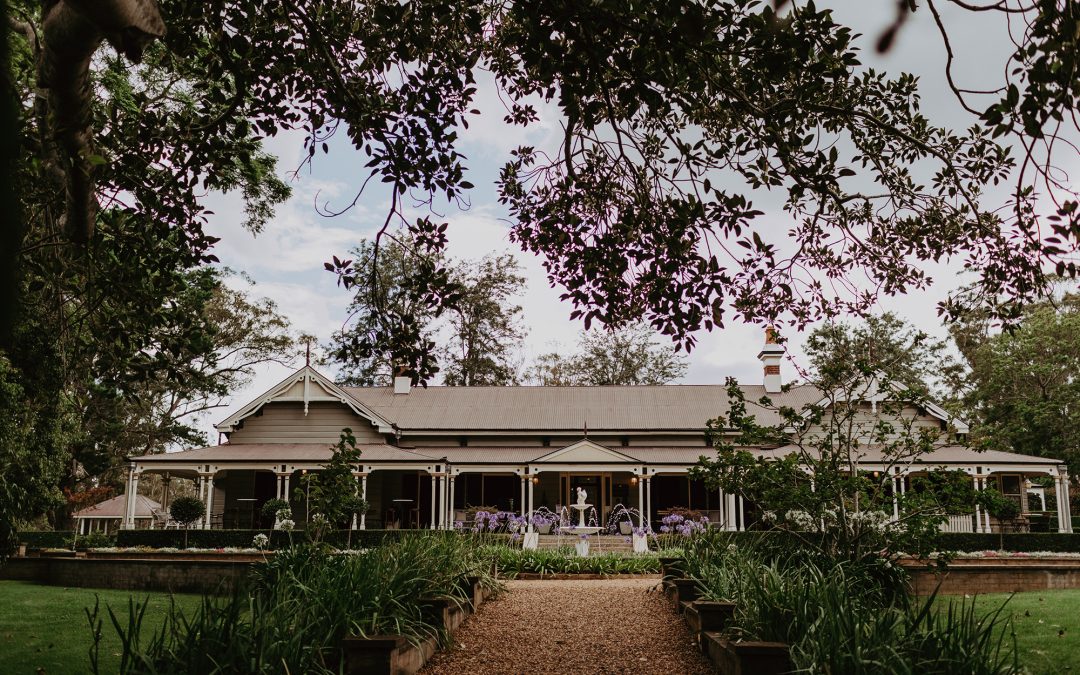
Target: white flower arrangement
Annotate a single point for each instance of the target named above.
(261, 541)
(286, 525)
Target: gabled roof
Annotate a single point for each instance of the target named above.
(663, 408)
(115, 508)
(584, 451)
(874, 389)
(306, 385)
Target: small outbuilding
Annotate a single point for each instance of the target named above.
(106, 516)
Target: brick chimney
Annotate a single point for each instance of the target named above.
(771, 355)
(402, 381)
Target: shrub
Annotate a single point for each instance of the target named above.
(45, 539)
(278, 539)
(186, 510)
(92, 540)
(271, 507)
(300, 606)
(512, 561)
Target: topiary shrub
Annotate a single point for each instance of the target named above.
(187, 510)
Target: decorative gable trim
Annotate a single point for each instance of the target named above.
(585, 451)
(306, 386)
(875, 391)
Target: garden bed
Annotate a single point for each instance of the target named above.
(580, 576)
(159, 554)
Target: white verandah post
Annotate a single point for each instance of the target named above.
(209, 501)
(1061, 494)
(641, 500)
(529, 477)
(363, 495)
(450, 500)
(978, 511)
(432, 501)
(129, 499)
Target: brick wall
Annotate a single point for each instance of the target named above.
(1001, 577)
(178, 576)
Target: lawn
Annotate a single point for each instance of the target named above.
(1047, 627)
(43, 629)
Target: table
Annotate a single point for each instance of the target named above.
(403, 502)
(250, 503)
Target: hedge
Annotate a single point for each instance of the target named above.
(1056, 542)
(244, 538)
(46, 539)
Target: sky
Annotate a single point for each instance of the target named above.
(286, 259)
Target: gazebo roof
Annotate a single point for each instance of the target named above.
(114, 508)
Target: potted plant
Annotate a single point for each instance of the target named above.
(626, 527)
(542, 523)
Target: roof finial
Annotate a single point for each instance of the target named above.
(307, 356)
(585, 423)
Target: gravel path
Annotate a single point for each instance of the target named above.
(574, 627)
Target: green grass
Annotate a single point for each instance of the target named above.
(1047, 627)
(45, 627)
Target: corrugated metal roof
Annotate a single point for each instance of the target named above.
(518, 455)
(282, 452)
(115, 508)
(949, 454)
(628, 408)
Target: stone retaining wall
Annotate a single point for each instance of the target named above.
(970, 577)
(178, 576)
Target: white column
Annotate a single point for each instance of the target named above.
(895, 499)
(209, 501)
(1061, 497)
(363, 495)
(286, 496)
(730, 514)
(523, 505)
(978, 511)
(450, 501)
(720, 506)
(201, 494)
(129, 501)
(648, 501)
(531, 505)
(641, 501)
(741, 514)
(432, 501)
(442, 501)
(280, 485)
(1065, 501)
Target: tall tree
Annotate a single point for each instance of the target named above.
(477, 324)
(388, 300)
(1023, 384)
(241, 333)
(632, 355)
(484, 325)
(668, 110)
(890, 344)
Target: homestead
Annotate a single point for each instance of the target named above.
(429, 454)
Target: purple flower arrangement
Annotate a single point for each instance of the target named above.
(500, 521)
(680, 524)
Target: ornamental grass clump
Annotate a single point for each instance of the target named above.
(300, 605)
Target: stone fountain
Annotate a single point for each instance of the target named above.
(581, 505)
